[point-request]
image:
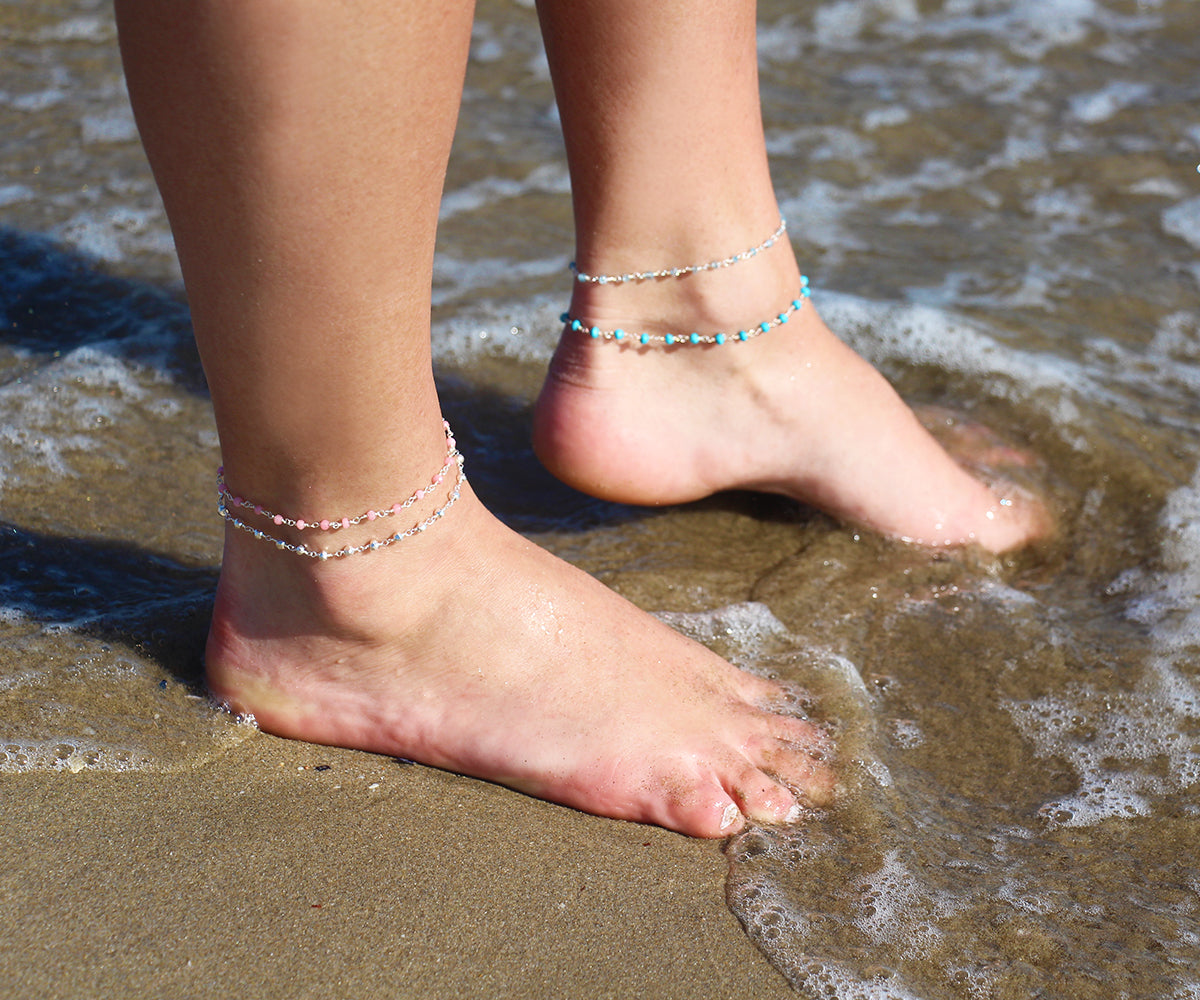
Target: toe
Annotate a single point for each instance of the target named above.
(764, 799)
(801, 769)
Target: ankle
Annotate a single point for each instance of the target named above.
(739, 286)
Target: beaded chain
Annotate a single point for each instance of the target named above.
(679, 272)
(671, 339)
(454, 459)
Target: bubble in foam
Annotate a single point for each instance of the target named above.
(70, 755)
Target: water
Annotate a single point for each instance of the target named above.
(998, 203)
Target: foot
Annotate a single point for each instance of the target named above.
(469, 648)
(793, 411)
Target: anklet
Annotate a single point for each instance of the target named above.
(679, 272)
(453, 459)
(685, 339)
(300, 523)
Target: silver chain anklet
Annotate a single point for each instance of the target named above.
(454, 459)
(688, 339)
(679, 272)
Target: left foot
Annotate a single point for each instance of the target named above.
(793, 411)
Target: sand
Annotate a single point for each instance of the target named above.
(258, 875)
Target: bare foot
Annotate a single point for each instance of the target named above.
(793, 411)
(471, 649)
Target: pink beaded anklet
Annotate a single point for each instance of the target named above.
(225, 500)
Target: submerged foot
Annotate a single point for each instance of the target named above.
(793, 411)
(469, 648)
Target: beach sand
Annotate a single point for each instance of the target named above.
(260, 876)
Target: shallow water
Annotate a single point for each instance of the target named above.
(998, 203)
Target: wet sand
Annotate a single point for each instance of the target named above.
(260, 876)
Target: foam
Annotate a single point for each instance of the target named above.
(836, 24)
(890, 898)
(1030, 28)
(10, 194)
(1183, 220)
(37, 100)
(72, 755)
(1116, 742)
(115, 126)
(56, 722)
(117, 234)
(894, 114)
(53, 414)
(749, 626)
(78, 29)
(783, 930)
(1100, 105)
(456, 278)
(526, 330)
(485, 46)
(549, 178)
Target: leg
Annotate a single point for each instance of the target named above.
(659, 104)
(301, 149)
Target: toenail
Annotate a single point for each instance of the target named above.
(793, 814)
(731, 815)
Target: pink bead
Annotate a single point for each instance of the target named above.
(439, 479)
(258, 508)
(420, 494)
(324, 525)
(301, 524)
(396, 508)
(278, 519)
(371, 515)
(345, 522)
(238, 502)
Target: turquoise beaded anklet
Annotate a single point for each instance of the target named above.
(685, 339)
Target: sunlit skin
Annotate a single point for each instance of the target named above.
(301, 150)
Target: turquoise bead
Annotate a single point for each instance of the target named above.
(742, 335)
(805, 292)
(720, 338)
(595, 332)
(783, 317)
(764, 327)
(804, 281)
(576, 325)
(669, 338)
(645, 338)
(564, 317)
(618, 334)
(694, 338)
(796, 303)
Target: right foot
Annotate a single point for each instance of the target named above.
(469, 648)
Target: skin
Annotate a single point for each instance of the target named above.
(796, 412)
(300, 148)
